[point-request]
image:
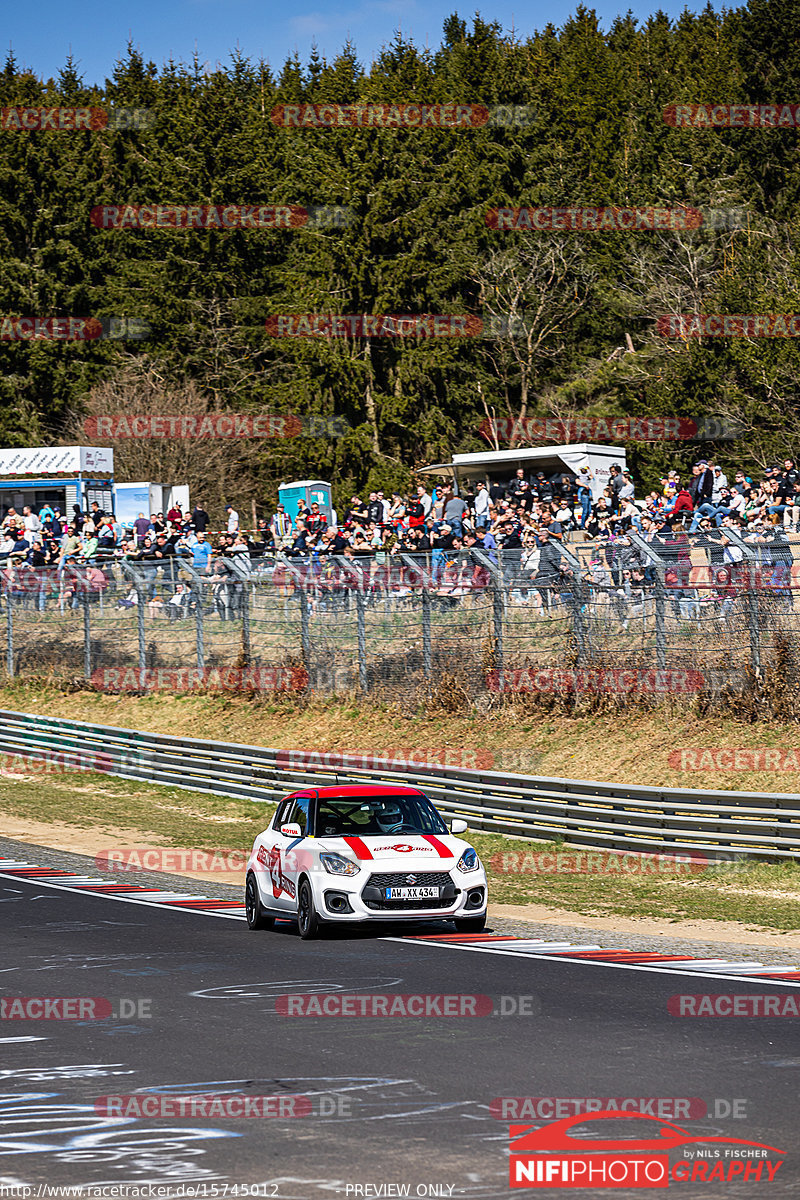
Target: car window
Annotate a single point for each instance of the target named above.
(376, 815)
(299, 814)
(280, 817)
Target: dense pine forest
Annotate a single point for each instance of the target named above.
(416, 241)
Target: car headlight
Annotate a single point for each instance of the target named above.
(336, 864)
(469, 860)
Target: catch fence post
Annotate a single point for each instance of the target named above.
(9, 636)
(87, 635)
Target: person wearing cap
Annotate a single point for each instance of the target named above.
(702, 484)
(543, 488)
(280, 523)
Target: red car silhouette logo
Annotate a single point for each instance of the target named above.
(556, 1136)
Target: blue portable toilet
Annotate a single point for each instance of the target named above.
(313, 491)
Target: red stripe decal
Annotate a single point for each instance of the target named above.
(360, 849)
(440, 847)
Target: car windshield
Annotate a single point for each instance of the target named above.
(370, 815)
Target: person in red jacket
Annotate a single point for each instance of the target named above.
(681, 503)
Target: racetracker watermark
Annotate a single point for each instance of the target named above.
(778, 1004)
(75, 120)
(557, 681)
(54, 762)
(594, 220)
(212, 425)
(72, 329)
(597, 862)
(611, 429)
(732, 116)
(340, 326)
(619, 220)
(741, 758)
(729, 325)
(187, 679)
(226, 1105)
(407, 758)
(220, 216)
(73, 1008)
(173, 860)
(402, 116)
(392, 1004)
(665, 1108)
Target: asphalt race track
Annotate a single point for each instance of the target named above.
(400, 1101)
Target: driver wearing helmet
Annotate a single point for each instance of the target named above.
(390, 817)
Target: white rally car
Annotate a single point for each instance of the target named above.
(363, 853)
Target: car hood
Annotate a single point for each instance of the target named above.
(423, 851)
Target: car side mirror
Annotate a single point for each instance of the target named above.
(291, 831)
(457, 825)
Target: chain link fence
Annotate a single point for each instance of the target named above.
(400, 625)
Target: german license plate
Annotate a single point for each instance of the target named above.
(411, 893)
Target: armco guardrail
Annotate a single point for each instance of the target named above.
(581, 812)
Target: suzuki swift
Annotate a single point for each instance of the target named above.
(345, 855)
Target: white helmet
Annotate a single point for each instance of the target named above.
(390, 817)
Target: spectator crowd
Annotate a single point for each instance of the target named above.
(518, 528)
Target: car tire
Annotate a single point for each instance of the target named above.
(257, 918)
(471, 924)
(307, 919)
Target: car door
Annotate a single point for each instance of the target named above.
(281, 860)
(271, 856)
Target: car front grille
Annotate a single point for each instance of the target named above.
(400, 879)
(371, 892)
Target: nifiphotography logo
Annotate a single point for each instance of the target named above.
(562, 1154)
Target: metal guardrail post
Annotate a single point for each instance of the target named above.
(87, 637)
(9, 636)
(362, 638)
